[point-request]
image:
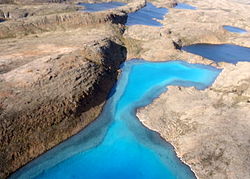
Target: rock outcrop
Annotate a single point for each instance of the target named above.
(48, 100)
(13, 11)
(57, 65)
(40, 24)
(209, 129)
(53, 18)
(56, 70)
(185, 27)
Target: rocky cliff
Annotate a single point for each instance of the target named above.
(54, 22)
(56, 70)
(48, 100)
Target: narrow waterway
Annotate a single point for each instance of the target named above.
(95, 7)
(234, 29)
(117, 145)
(148, 15)
(184, 6)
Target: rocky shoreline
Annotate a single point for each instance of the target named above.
(56, 70)
(57, 66)
(186, 27)
(209, 129)
(48, 100)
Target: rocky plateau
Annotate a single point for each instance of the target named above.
(209, 129)
(58, 64)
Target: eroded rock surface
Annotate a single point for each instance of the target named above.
(184, 27)
(209, 129)
(56, 70)
(57, 65)
(51, 98)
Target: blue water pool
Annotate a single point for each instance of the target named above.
(184, 6)
(147, 16)
(234, 29)
(95, 7)
(220, 53)
(117, 145)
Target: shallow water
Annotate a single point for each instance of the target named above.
(147, 16)
(234, 29)
(95, 7)
(116, 145)
(220, 53)
(184, 6)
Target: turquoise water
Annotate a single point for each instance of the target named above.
(95, 7)
(220, 53)
(147, 16)
(234, 29)
(116, 145)
(184, 6)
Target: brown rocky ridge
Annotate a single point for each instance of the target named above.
(57, 65)
(56, 70)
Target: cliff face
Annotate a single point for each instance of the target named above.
(14, 11)
(56, 71)
(57, 66)
(209, 129)
(50, 99)
(53, 17)
(54, 22)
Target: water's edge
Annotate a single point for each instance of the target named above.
(94, 135)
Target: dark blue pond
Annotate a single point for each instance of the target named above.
(147, 16)
(234, 29)
(117, 145)
(94, 7)
(220, 53)
(184, 6)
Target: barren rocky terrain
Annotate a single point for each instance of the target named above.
(185, 27)
(57, 65)
(209, 129)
